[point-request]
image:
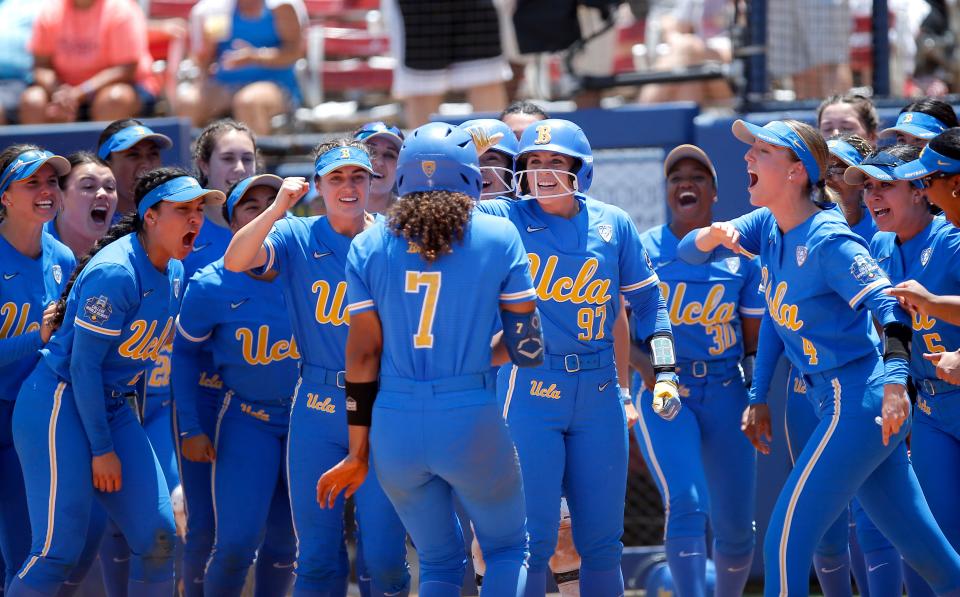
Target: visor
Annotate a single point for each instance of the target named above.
(339, 157)
(929, 162)
(241, 188)
(845, 152)
(917, 124)
(379, 129)
(881, 166)
(27, 163)
(779, 134)
(126, 138)
(182, 189)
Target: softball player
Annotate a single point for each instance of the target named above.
(310, 256)
(89, 202)
(571, 437)
(383, 142)
(418, 283)
(242, 320)
(496, 163)
(75, 412)
(131, 149)
(921, 121)
(703, 466)
(851, 387)
(35, 267)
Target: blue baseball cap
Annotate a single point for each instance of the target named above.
(240, 189)
(844, 152)
(339, 157)
(780, 134)
(27, 163)
(128, 137)
(182, 189)
(879, 166)
(379, 129)
(929, 162)
(917, 124)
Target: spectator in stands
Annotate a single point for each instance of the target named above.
(16, 62)
(245, 51)
(921, 121)
(91, 61)
(521, 114)
(808, 45)
(442, 47)
(848, 115)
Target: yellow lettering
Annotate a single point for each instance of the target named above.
(784, 314)
(261, 351)
(810, 351)
(543, 134)
(331, 307)
(923, 406)
(214, 382)
(260, 415)
(581, 289)
(922, 322)
(13, 325)
(142, 344)
(431, 281)
(933, 342)
(551, 391)
(314, 402)
(798, 386)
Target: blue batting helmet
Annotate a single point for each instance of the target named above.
(439, 157)
(507, 146)
(563, 137)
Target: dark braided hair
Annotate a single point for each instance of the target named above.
(432, 220)
(129, 223)
(6, 158)
(207, 141)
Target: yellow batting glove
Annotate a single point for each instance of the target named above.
(666, 396)
(481, 140)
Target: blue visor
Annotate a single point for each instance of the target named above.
(240, 189)
(375, 129)
(29, 162)
(917, 124)
(881, 166)
(780, 134)
(930, 162)
(128, 137)
(182, 189)
(338, 157)
(844, 152)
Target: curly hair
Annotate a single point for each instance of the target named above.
(862, 146)
(432, 221)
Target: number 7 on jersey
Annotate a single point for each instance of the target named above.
(431, 280)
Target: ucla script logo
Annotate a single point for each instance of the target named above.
(260, 351)
(784, 314)
(331, 303)
(12, 325)
(143, 343)
(713, 314)
(581, 289)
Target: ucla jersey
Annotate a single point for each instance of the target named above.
(51, 229)
(866, 227)
(311, 256)
(931, 259)
(27, 286)
(211, 243)
(244, 322)
(815, 279)
(119, 295)
(579, 267)
(705, 302)
(437, 317)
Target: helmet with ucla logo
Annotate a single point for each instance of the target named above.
(508, 145)
(563, 137)
(439, 157)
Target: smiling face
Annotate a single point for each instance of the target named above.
(233, 158)
(89, 201)
(770, 168)
(495, 168)
(35, 200)
(943, 191)
(545, 178)
(842, 119)
(130, 164)
(690, 192)
(896, 206)
(254, 202)
(173, 227)
(383, 158)
(345, 191)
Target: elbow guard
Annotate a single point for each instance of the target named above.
(360, 399)
(896, 341)
(523, 337)
(662, 354)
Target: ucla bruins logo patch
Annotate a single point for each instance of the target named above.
(925, 256)
(57, 272)
(429, 167)
(97, 309)
(733, 264)
(345, 153)
(865, 270)
(605, 231)
(801, 255)
(543, 134)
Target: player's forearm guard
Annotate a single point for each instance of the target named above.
(896, 341)
(662, 355)
(360, 399)
(523, 337)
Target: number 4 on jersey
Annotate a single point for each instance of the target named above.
(431, 280)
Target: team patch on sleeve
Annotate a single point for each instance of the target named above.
(865, 270)
(97, 309)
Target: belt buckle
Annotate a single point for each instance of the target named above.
(698, 368)
(341, 379)
(571, 358)
(929, 387)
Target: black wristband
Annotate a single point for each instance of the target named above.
(896, 341)
(360, 399)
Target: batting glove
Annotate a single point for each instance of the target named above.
(666, 396)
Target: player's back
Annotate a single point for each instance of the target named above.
(437, 317)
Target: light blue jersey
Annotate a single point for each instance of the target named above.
(705, 302)
(27, 286)
(211, 243)
(866, 227)
(421, 303)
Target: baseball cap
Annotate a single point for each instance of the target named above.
(182, 189)
(879, 166)
(929, 162)
(339, 157)
(127, 137)
(29, 162)
(240, 189)
(917, 124)
(379, 129)
(844, 152)
(688, 152)
(780, 134)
